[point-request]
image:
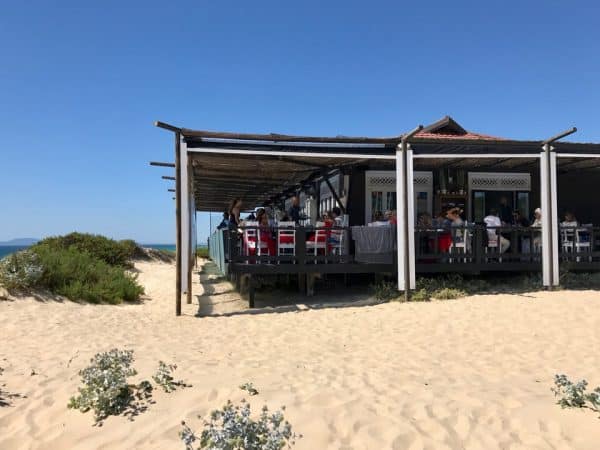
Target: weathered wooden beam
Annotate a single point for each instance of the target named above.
(161, 164)
(178, 224)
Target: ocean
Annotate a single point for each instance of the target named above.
(8, 249)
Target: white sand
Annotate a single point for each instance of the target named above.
(471, 373)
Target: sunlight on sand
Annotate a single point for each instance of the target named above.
(473, 373)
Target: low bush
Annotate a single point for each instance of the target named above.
(105, 388)
(575, 395)
(448, 294)
(77, 266)
(202, 252)
(21, 270)
(164, 377)
(385, 290)
(79, 276)
(232, 428)
(114, 253)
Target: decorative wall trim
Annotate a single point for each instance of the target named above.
(495, 181)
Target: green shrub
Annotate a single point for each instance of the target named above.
(164, 378)
(105, 388)
(233, 428)
(574, 395)
(385, 290)
(202, 252)
(79, 276)
(21, 270)
(448, 293)
(114, 253)
(420, 295)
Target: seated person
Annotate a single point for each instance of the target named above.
(265, 231)
(393, 219)
(424, 220)
(518, 220)
(336, 215)
(570, 220)
(493, 222)
(378, 220)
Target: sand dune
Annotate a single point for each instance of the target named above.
(468, 374)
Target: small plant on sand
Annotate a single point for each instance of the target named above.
(448, 293)
(105, 388)
(574, 395)
(233, 428)
(249, 388)
(385, 290)
(164, 378)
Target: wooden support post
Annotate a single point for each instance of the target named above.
(178, 224)
(310, 284)
(191, 249)
(251, 291)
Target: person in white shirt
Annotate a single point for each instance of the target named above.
(492, 221)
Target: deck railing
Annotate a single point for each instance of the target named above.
(469, 248)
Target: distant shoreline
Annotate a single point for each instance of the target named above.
(6, 250)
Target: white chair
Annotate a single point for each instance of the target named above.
(286, 238)
(252, 240)
(319, 240)
(568, 240)
(462, 246)
(337, 241)
(583, 241)
(493, 244)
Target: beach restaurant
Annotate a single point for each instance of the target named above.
(454, 201)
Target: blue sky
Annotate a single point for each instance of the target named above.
(80, 87)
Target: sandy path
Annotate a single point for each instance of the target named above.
(472, 373)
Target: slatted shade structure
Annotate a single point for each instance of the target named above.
(218, 178)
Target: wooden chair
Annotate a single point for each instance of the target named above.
(318, 240)
(286, 238)
(252, 240)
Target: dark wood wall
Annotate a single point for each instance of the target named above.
(579, 192)
(356, 197)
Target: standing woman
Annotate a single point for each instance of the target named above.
(234, 212)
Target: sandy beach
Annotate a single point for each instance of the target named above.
(473, 373)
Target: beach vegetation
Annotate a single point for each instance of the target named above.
(385, 291)
(21, 270)
(249, 388)
(575, 395)
(233, 428)
(202, 252)
(106, 389)
(164, 377)
(114, 253)
(78, 266)
(79, 276)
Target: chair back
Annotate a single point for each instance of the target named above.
(286, 231)
(250, 232)
(492, 235)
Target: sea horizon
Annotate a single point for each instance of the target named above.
(6, 250)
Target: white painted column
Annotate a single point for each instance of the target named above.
(411, 218)
(185, 215)
(546, 264)
(550, 250)
(401, 245)
(554, 218)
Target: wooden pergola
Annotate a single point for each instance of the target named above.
(211, 168)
